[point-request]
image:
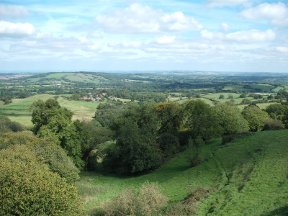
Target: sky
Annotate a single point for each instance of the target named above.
(144, 35)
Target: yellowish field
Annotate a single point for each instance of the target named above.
(19, 109)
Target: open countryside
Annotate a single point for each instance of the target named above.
(144, 108)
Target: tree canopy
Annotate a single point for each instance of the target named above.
(30, 188)
(230, 119)
(52, 120)
(256, 117)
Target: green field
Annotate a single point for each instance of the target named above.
(248, 177)
(19, 109)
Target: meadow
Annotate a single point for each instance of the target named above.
(246, 177)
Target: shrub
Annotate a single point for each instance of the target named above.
(147, 201)
(45, 152)
(256, 117)
(6, 125)
(188, 206)
(273, 124)
(30, 188)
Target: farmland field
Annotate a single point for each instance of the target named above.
(19, 109)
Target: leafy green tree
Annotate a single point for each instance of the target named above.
(91, 135)
(256, 117)
(107, 113)
(230, 119)
(30, 188)
(53, 121)
(169, 144)
(170, 117)
(136, 149)
(277, 111)
(200, 120)
(49, 113)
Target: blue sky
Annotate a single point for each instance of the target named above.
(126, 35)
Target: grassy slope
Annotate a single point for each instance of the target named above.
(248, 176)
(19, 111)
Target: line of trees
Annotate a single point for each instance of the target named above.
(38, 170)
(145, 135)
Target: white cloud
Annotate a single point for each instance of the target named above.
(252, 36)
(16, 29)
(177, 21)
(138, 18)
(225, 27)
(212, 35)
(221, 3)
(282, 49)
(240, 36)
(12, 11)
(277, 13)
(166, 39)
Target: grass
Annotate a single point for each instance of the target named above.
(19, 109)
(248, 177)
(260, 105)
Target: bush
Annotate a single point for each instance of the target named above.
(147, 201)
(188, 206)
(6, 125)
(30, 188)
(273, 124)
(45, 152)
(256, 117)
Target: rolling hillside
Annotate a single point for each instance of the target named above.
(248, 176)
(19, 109)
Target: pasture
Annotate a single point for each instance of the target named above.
(246, 177)
(19, 109)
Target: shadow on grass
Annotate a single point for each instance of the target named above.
(282, 211)
(14, 114)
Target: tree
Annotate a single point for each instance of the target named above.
(170, 117)
(230, 119)
(49, 113)
(30, 188)
(169, 144)
(200, 120)
(256, 117)
(52, 120)
(136, 150)
(91, 135)
(277, 111)
(107, 113)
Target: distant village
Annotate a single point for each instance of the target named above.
(96, 97)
